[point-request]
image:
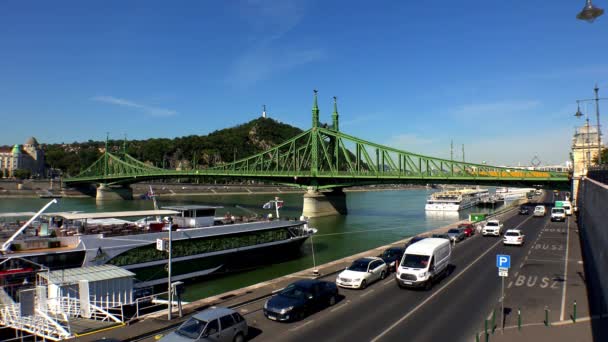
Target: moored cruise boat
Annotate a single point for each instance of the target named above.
(454, 200)
(200, 246)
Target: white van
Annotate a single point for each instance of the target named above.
(423, 262)
(567, 205)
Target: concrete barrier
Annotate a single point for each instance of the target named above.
(592, 219)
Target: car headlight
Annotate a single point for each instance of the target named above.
(266, 305)
(286, 309)
(357, 279)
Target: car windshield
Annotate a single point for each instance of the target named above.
(492, 224)
(512, 234)
(192, 328)
(454, 231)
(415, 261)
(359, 266)
(539, 209)
(294, 291)
(559, 211)
(441, 236)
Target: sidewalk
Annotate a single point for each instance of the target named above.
(562, 327)
(581, 331)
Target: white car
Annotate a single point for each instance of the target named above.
(513, 237)
(492, 227)
(362, 272)
(540, 210)
(558, 214)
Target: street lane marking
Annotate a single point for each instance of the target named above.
(565, 273)
(441, 288)
(367, 292)
(546, 260)
(301, 326)
(340, 306)
(388, 282)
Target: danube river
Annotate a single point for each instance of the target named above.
(374, 218)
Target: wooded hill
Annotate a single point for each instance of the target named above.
(201, 150)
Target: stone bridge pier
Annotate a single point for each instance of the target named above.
(110, 193)
(317, 203)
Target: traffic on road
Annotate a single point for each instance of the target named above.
(393, 297)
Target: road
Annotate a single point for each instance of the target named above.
(454, 310)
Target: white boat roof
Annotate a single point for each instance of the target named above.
(92, 274)
(423, 247)
(190, 207)
(110, 214)
(21, 214)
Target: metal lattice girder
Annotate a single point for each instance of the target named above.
(324, 158)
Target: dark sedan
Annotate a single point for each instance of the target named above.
(524, 210)
(391, 256)
(414, 240)
(300, 299)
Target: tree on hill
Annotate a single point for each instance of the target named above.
(201, 150)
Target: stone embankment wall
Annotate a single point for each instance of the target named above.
(592, 219)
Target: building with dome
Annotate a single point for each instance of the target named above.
(27, 156)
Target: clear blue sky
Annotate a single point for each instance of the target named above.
(501, 77)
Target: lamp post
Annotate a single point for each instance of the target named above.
(589, 12)
(578, 114)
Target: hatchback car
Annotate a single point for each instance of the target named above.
(468, 228)
(300, 299)
(392, 256)
(214, 324)
(456, 234)
(362, 272)
(513, 237)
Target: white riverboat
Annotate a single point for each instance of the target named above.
(454, 200)
(200, 245)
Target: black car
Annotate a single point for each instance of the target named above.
(300, 299)
(390, 255)
(524, 210)
(414, 240)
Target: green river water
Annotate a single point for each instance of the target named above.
(374, 218)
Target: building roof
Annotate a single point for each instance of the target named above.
(94, 273)
(16, 149)
(110, 214)
(31, 141)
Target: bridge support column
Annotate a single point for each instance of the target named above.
(317, 204)
(110, 193)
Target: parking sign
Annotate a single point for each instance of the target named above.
(503, 261)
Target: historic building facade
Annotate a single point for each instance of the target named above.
(27, 156)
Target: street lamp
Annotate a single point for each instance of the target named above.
(587, 153)
(589, 12)
(596, 99)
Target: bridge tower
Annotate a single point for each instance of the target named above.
(105, 192)
(317, 203)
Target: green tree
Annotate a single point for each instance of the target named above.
(22, 173)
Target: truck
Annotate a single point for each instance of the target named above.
(423, 263)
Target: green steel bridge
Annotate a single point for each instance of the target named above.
(323, 157)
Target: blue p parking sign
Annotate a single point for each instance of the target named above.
(503, 261)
